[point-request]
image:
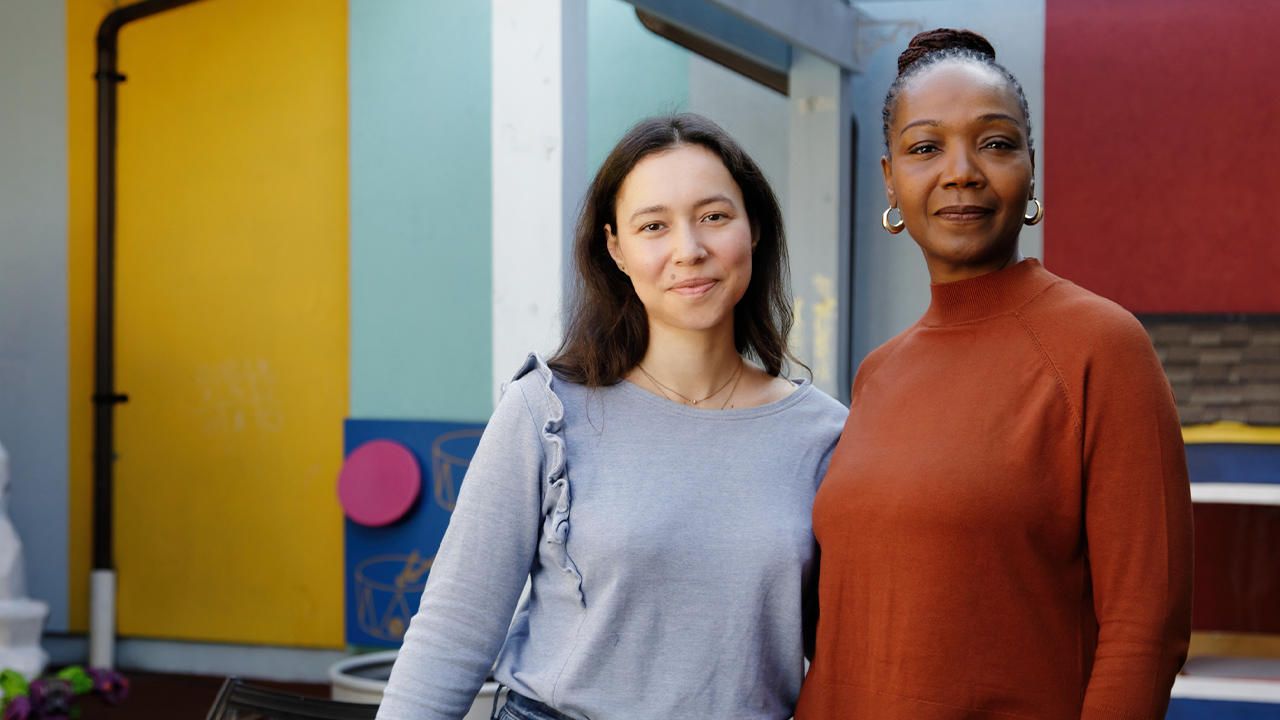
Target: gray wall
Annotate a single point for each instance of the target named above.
(756, 116)
(33, 287)
(891, 286)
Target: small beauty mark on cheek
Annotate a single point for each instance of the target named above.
(673, 276)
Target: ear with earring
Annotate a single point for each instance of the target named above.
(1037, 217)
(893, 228)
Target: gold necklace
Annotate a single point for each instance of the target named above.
(733, 389)
(664, 388)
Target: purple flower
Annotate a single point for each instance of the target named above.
(109, 685)
(19, 708)
(52, 698)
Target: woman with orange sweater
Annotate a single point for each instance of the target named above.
(1005, 526)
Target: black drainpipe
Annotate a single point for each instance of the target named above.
(105, 396)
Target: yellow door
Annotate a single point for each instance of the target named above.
(232, 320)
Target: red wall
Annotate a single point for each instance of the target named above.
(1162, 152)
(1233, 590)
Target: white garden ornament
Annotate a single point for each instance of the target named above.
(21, 618)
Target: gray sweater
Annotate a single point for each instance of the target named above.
(668, 549)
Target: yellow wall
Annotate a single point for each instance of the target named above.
(232, 318)
(1231, 433)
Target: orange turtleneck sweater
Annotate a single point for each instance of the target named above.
(1006, 523)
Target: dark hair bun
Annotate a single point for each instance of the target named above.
(932, 41)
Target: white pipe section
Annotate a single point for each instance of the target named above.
(102, 619)
(539, 131)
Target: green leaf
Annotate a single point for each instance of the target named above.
(13, 684)
(80, 681)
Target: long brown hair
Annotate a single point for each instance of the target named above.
(606, 328)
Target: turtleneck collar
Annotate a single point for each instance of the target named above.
(997, 293)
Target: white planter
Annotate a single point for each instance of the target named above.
(21, 622)
(28, 661)
(362, 678)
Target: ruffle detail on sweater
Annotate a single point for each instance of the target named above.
(556, 498)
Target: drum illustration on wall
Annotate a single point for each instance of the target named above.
(384, 586)
(398, 488)
(451, 451)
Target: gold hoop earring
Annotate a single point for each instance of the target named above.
(895, 228)
(1034, 219)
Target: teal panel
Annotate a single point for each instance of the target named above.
(33, 290)
(631, 74)
(420, 218)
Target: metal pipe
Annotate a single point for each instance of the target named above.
(105, 397)
(848, 360)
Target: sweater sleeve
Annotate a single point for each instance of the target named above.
(477, 576)
(1138, 525)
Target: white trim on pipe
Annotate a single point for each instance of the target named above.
(102, 619)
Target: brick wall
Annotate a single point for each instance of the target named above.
(1220, 367)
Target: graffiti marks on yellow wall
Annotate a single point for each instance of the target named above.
(238, 398)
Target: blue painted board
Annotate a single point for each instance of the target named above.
(386, 568)
(1233, 463)
(1196, 709)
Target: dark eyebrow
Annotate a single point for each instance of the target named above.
(913, 123)
(713, 199)
(663, 208)
(1000, 116)
(647, 210)
(985, 118)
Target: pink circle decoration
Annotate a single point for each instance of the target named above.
(379, 482)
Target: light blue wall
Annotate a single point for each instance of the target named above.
(631, 74)
(420, 219)
(420, 188)
(33, 288)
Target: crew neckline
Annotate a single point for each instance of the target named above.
(986, 296)
(803, 388)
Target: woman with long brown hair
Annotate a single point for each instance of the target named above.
(654, 479)
(1006, 524)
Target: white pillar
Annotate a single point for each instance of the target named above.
(539, 151)
(818, 219)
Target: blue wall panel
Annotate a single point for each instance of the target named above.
(386, 568)
(1233, 463)
(1193, 709)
